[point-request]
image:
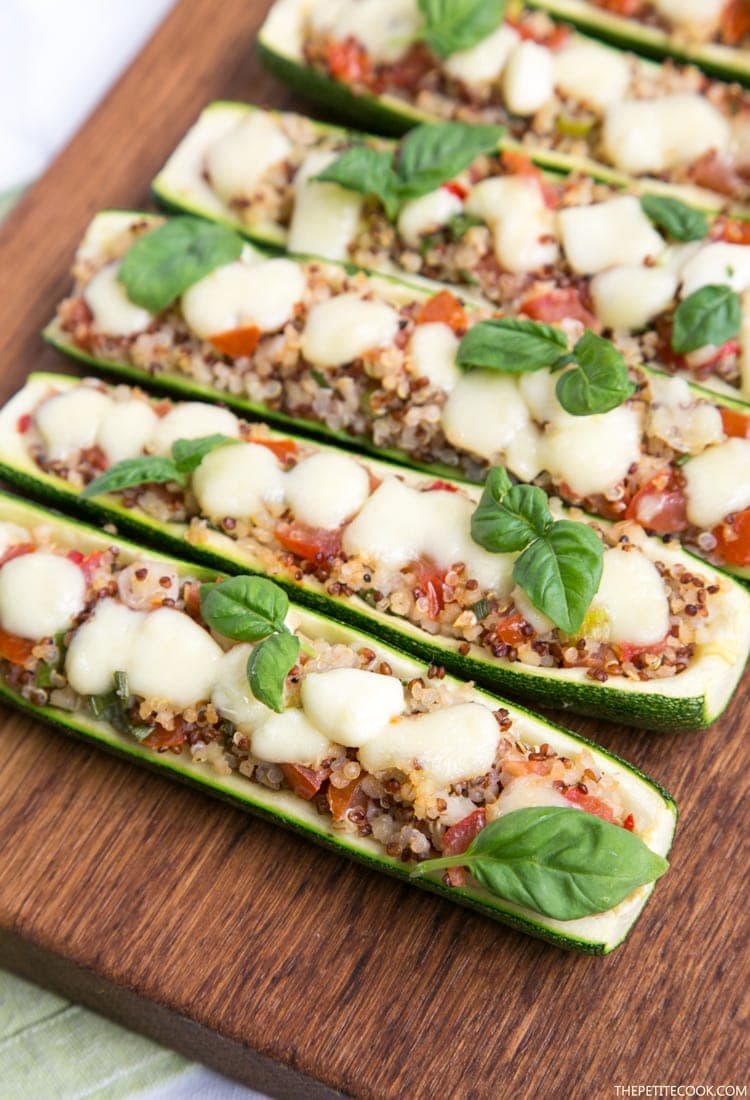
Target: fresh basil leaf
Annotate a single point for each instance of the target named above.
(562, 863)
(245, 609)
(711, 315)
(599, 382)
(511, 344)
(678, 220)
(189, 453)
(509, 522)
(133, 471)
(560, 572)
(268, 665)
(452, 25)
(433, 153)
(164, 263)
(366, 170)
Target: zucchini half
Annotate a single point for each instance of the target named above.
(693, 699)
(725, 62)
(279, 46)
(598, 934)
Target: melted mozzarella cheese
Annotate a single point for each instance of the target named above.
(327, 489)
(654, 135)
(435, 750)
(232, 695)
(69, 422)
(717, 482)
(125, 429)
(446, 539)
(633, 597)
(351, 705)
(483, 63)
(388, 528)
(523, 227)
(40, 594)
(593, 453)
(717, 263)
(607, 233)
(173, 659)
(485, 413)
(593, 75)
(11, 535)
(113, 311)
(101, 647)
(237, 160)
(676, 416)
(325, 217)
(531, 614)
(695, 17)
(239, 294)
(238, 481)
(384, 27)
(290, 738)
(433, 350)
(528, 78)
(525, 791)
(192, 420)
(629, 296)
(344, 327)
(427, 213)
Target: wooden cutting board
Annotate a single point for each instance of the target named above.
(247, 947)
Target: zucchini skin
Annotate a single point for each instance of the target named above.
(614, 701)
(266, 803)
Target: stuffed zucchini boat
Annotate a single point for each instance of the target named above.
(549, 247)
(569, 611)
(714, 34)
(373, 359)
(325, 730)
(572, 102)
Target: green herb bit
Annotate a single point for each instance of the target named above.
(187, 455)
(453, 25)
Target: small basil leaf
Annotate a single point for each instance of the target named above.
(511, 345)
(133, 471)
(189, 453)
(513, 522)
(452, 25)
(433, 153)
(268, 665)
(560, 572)
(678, 220)
(366, 170)
(711, 315)
(598, 383)
(244, 608)
(164, 263)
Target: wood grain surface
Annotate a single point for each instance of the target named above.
(248, 947)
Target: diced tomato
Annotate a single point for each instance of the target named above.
(410, 69)
(559, 305)
(304, 781)
(527, 767)
(733, 539)
(15, 649)
(520, 164)
(730, 347)
(430, 580)
(440, 486)
(732, 230)
(309, 543)
(553, 39)
(23, 423)
(161, 738)
(91, 563)
(589, 803)
(735, 423)
(284, 449)
(237, 341)
(444, 307)
(629, 652)
(17, 551)
(717, 172)
(660, 505)
(621, 7)
(191, 594)
(457, 839)
(343, 799)
(629, 823)
(348, 60)
(735, 21)
(511, 629)
(456, 189)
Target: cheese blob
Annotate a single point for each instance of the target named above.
(40, 594)
(717, 263)
(607, 233)
(101, 647)
(528, 78)
(114, 313)
(238, 481)
(483, 63)
(290, 738)
(438, 749)
(628, 296)
(237, 160)
(325, 217)
(240, 294)
(327, 489)
(192, 420)
(592, 75)
(678, 417)
(633, 597)
(525, 791)
(173, 659)
(11, 535)
(351, 705)
(591, 454)
(523, 226)
(343, 328)
(125, 429)
(655, 135)
(232, 695)
(384, 27)
(485, 413)
(696, 17)
(717, 482)
(69, 422)
(433, 348)
(427, 213)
